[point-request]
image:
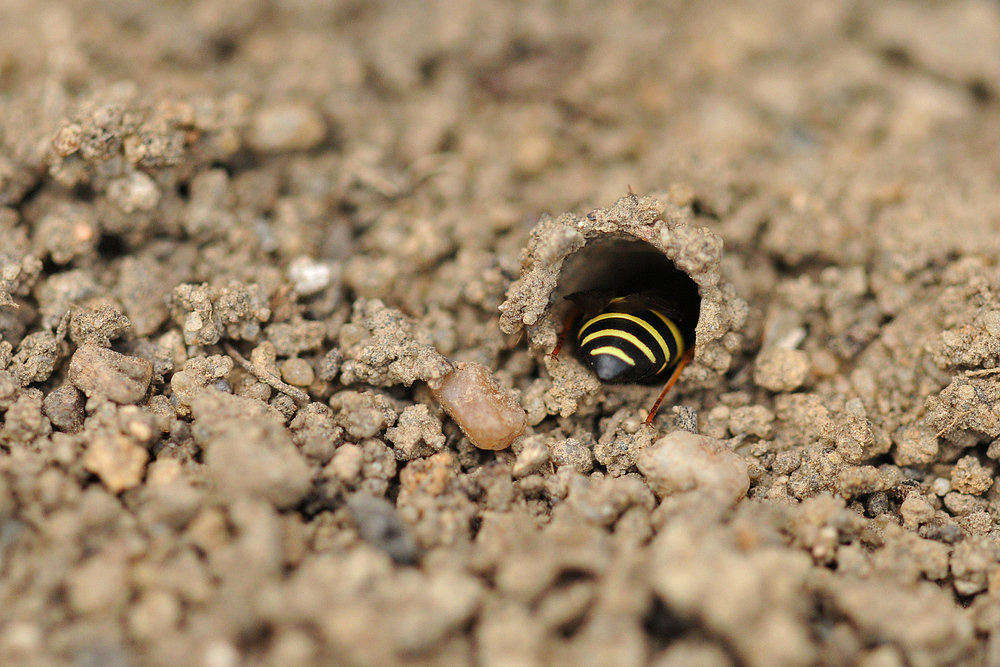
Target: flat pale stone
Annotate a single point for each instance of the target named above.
(681, 462)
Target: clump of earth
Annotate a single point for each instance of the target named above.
(278, 284)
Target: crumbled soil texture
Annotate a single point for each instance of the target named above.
(241, 242)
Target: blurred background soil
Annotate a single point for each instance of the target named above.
(238, 237)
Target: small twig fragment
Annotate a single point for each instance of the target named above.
(266, 376)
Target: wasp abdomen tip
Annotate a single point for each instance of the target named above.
(608, 368)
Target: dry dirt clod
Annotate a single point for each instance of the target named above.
(117, 460)
(681, 462)
(207, 314)
(99, 583)
(969, 476)
(383, 347)
(64, 408)
(292, 338)
(754, 420)
(571, 452)
(24, 420)
(35, 358)
(780, 369)
(99, 371)
(916, 444)
(248, 451)
(416, 433)
(98, 325)
(915, 510)
(346, 464)
(490, 416)
(362, 414)
(198, 374)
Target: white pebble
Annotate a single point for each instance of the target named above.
(310, 276)
(137, 191)
(287, 127)
(941, 486)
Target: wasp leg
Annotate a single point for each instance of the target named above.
(571, 319)
(684, 361)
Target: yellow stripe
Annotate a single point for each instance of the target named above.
(641, 322)
(624, 335)
(678, 338)
(614, 352)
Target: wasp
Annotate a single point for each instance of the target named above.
(640, 337)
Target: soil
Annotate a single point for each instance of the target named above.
(243, 246)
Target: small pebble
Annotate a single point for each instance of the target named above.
(532, 457)
(311, 276)
(117, 460)
(682, 461)
(137, 191)
(379, 525)
(346, 464)
(287, 127)
(941, 486)
(488, 415)
(98, 371)
(64, 408)
(780, 369)
(915, 510)
(297, 372)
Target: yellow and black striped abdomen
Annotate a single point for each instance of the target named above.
(625, 344)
